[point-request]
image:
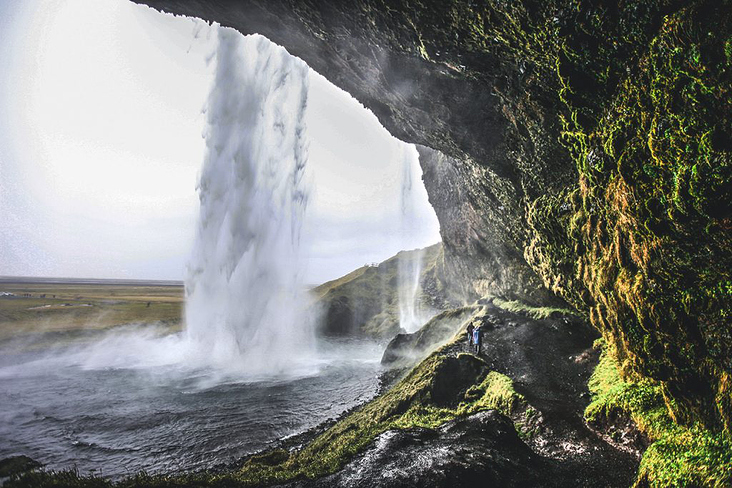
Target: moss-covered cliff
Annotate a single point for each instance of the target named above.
(573, 150)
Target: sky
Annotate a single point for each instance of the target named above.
(101, 147)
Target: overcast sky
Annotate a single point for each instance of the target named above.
(100, 150)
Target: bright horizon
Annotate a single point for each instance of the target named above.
(101, 146)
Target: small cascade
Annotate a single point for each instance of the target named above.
(411, 315)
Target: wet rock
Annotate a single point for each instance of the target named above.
(453, 376)
(618, 429)
(400, 348)
(480, 450)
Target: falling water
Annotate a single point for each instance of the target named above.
(411, 317)
(244, 286)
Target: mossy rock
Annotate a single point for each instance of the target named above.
(17, 464)
(441, 388)
(677, 455)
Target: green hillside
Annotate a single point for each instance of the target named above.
(365, 302)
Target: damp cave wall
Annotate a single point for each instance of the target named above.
(574, 151)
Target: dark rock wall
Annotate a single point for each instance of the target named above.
(577, 149)
(481, 256)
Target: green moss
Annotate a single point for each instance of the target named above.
(643, 241)
(550, 248)
(678, 456)
(413, 402)
(496, 391)
(638, 94)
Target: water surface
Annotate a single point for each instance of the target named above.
(66, 411)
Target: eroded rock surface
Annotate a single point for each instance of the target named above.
(480, 450)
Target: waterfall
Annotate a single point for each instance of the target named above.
(244, 285)
(411, 316)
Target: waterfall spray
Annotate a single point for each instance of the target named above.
(244, 288)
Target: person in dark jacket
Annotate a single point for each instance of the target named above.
(470, 335)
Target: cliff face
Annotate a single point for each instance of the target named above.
(365, 302)
(575, 151)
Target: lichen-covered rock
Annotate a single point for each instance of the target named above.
(572, 150)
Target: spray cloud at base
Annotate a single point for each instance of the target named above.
(247, 314)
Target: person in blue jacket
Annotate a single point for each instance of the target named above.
(477, 339)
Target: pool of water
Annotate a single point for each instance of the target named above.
(66, 411)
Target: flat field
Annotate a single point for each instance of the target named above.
(66, 310)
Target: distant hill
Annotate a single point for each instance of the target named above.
(365, 302)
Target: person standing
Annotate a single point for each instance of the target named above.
(477, 339)
(471, 328)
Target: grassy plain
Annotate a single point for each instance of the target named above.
(67, 310)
